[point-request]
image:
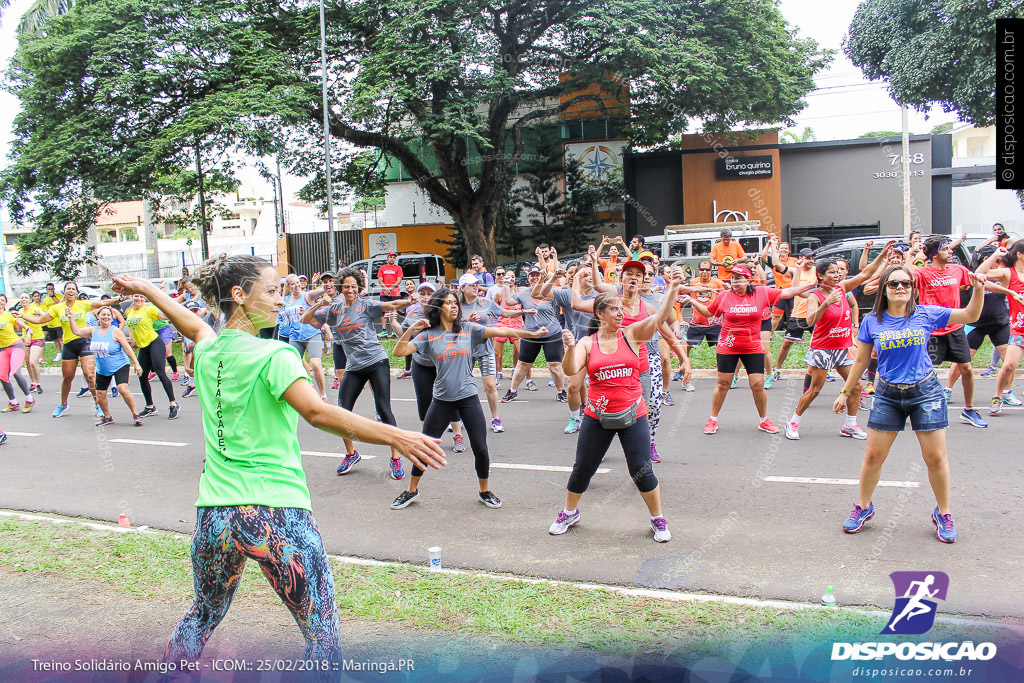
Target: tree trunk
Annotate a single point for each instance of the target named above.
(478, 234)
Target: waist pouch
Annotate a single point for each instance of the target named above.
(620, 420)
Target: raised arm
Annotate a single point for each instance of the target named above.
(491, 332)
(798, 290)
(396, 305)
(43, 317)
(309, 315)
(85, 332)
(576, 355)
(643, 330)
(970, 314)
(186, 321)
(405, 347)
(870, 271)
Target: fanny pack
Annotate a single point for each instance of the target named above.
(620, 420)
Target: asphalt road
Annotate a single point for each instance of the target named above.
(736, 531)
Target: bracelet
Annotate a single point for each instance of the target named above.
(844, 392)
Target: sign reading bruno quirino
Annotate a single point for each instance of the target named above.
(744, 167)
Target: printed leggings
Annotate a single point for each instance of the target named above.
(287, 544)
(153, 358)
(652, 392)
(379, 377)
(441, 413)
(11, 360)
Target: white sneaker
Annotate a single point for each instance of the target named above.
(792, 430)
(563, 522)
(660, 528)
(530, 386)
(853, 431)
(689, 387)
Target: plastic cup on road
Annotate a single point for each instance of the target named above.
(435, 558)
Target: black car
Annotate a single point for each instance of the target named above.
(852, 248)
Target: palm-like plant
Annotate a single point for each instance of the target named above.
(806, 136)
(37, 14)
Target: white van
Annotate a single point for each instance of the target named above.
(415, 266)
(687, 246)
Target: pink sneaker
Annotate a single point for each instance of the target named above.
(766, 425)
(711, 426)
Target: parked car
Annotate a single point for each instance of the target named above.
(852, 248)
(976, 239)
(415, 266)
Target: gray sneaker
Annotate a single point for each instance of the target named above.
(660, 528)
(563, 521)
(403, 500)
(530, 386)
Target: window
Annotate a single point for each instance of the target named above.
(594, 129)
(700, 248)
(376, 266)
(751, 245)
(676, 249)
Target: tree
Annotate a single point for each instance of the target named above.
(432, 85)
(807, 135)
(881, 134)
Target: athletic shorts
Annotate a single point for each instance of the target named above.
(828, 359)
(37, 342)
(952, 347)
(75, 349)
(796, 327)
(999, 334)
(120, 376)
(506, 339)
(766, 325)
(488, 365)
(53, 334)
(923, 403)
(752, 362)
(386, 297)
(314, 346)
(529, 349)
(1016, 340)
(695, 334)
(783, 307)
(338, 352)
(166, 334)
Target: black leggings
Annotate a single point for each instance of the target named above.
(153, 358)
(441, 413)
(379, 377)
(593, 443)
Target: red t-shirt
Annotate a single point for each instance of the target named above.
(614, 379)
(741, 319)
(941, 288)
(389, 277)
(1016, 309)
(834, 329)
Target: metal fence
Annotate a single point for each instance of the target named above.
(307, 252)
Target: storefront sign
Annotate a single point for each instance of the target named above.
(744, 167)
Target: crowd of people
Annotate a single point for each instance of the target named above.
(607, 326)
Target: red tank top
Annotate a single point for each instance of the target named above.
(614, 378)
(628, 320)
(1016, 309)
(834, 330)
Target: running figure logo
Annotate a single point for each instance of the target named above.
(914, 611)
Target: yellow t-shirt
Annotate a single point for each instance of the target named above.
(37, 329)
(60, 312)
(8, 331)
(140, 322)
(49, 302)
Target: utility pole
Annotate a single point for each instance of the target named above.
(331, 256)
(202, 204)
(907, 227)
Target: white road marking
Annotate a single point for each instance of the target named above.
(329, 454)
(539, 468)
(141, 442)
(23, 434)
(843, 482)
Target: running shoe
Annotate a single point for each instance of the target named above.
(147, 411)
(336, 383)
(530, 386)
(660, 528)
(138, 419)
(997, 406)
(184, 380)
(150, 376)
(404, 374)
(496, 426)
(30, 403)
(769, 381)
(490, 500)
(172, 412)
(3, 438)
(667, 399)
(776, 376)
(39, 388)
(944, 526)
(855, 522)
(711, 426)
(987, 371)
(1010, 399)
(105, 421)
(403, 500)
(573, 426)
(869, 388)
(460, 444)
(450, 430)
(113, 392)
(853, 431)
(99, 411)
(397, 472)
(792, 430)
(562, 396)
(346, 465)
(551, 382)
(12, 407)
(59, 410)
(973, 418)
(563, 521)
(510, 395)
(43, 362)
(689, 387)
(500, 375)
(191, 390)
(865, 402)
(947, 394)
(654, 453)
(829, 377)
(82, 392)
(766, 425)
(735, 380)
(677, 376)
(175, 376)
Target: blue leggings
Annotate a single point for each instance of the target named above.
(287, 544)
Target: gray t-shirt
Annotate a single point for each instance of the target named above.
(412, 314)
(544, 317)
(488, 312)
(451, 353)
(352, 327)
(577, 321)
(654, 299)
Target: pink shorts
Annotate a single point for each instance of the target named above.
(37, 342)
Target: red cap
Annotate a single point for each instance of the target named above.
(634, 264)
(742, 270)
(392, 253)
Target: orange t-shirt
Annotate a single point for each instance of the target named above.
(800, 303)
(608, 265)
(783, 280)
(705, 298)
(720, 252)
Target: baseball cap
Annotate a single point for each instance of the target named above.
(645, 254)
(805, 252)
(326, 275)
(303, 277)
(467, 279)
(192, 305)
(634, 264)
(534, 269)
(742, 270)
(392, 253)
(427, 285)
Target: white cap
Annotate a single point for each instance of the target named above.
(427, 285)
(467, 279)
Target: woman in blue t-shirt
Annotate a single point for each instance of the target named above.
(906, 386)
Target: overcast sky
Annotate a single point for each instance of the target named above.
(844, 106)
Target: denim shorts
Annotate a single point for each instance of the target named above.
(923, 403)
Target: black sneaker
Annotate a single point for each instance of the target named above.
(104, 421)
(404, 498)
(510, 396)
(188, 392)
(172, 414)
(490, 500)
(562, 396)
(147, 411)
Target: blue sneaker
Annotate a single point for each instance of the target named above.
(396, 469)
(769, 381)
(346, 465)
(82, 392)
(973, 418)
(99, 411)
(573, 426)
(677, 376)
(113, 392)
(944, 526)
(947, 394)
(59, 410)
(735, 380)
(855, 522)
(1010, 399)
(667, 399)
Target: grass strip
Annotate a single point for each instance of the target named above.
(158, 566)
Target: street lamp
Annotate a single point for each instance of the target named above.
(327, 139)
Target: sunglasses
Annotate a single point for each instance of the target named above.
(704, 269)
(896, 284)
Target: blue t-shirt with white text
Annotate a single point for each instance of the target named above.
(902, 343)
